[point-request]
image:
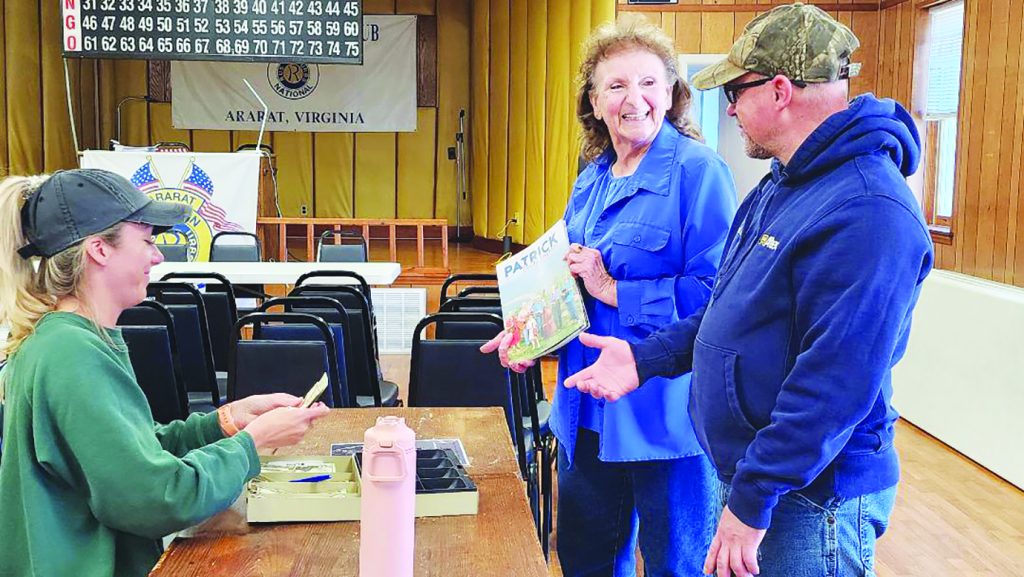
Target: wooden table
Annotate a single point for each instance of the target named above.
(499, 540)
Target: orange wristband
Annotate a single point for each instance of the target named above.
(227, 424)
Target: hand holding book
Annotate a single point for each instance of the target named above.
(586, 264)
(541, 304)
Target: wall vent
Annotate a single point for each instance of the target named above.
(398, 310)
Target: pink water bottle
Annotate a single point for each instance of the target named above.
(388, 511)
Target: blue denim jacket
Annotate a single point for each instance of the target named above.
(661, 239)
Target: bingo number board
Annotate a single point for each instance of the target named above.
(323, 31)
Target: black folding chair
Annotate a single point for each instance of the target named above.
(221, 251)
(360, 282)
(468, 330)
(221, 312)
(466, 322)
(340, 328)
(195, 346)
(259, 365)
(361, 357)
(464, 278)
(148, 330)
(349, 246)
(453, 373)
(173, 252)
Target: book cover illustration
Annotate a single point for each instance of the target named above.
(541, 304)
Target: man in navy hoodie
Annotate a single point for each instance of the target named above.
(811, 309)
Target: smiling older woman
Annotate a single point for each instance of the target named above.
(648, 218)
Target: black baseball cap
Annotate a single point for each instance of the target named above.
(73, 204)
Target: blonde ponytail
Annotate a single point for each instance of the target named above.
(21, 303)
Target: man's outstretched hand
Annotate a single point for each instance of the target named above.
(612, 376)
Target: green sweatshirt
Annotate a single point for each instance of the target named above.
(88, 483)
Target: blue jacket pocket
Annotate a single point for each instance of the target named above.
(718, 417)
(641, 235)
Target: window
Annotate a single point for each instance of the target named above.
(941, 103)
(720, 130)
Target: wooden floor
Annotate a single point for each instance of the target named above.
(952, 517)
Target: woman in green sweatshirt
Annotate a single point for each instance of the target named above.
(88, 483)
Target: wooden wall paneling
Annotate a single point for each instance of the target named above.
(212, 141)
(160, 127)
(426, 61)
(375, 175)
(479, 133)
(294, 152)
(453, 37)
(668, 24)
(1008, 188)
(898, 54)
(1015, 257)
(416, 162)
(58, 150)
(517, 116)
(107, 101)
(333, 177)
(4, 161)
(240, 137)
(536, 106)
(908, 31)
(75, 80)
(159, 77)
(497, 185)
(887, 54)
(740, 23)
(425, 7)
(130, 80)
(379, 6)
(716, 32)
(991, 190)
(84, 94)
(866, 25)
(558, 112)
(967, 92)
(968, 247)
(24, 87)
(688, 32)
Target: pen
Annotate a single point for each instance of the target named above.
(313, 479)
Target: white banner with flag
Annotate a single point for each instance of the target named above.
(379, 96)
(221, 188)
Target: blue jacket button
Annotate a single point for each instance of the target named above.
(636, 238)
(629, 319)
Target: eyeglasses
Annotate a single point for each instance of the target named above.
(732, 91)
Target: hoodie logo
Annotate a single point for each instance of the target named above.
(768, 241)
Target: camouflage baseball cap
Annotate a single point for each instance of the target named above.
(798, 41)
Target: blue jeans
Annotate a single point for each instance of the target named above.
(604, 507)
(831, 539)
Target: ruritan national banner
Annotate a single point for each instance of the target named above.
(221, 188)
(379, 96)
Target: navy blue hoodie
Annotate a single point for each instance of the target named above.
(811, 309)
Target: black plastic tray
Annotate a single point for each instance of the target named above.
(437, 471)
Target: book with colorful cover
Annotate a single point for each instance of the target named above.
(541, 303)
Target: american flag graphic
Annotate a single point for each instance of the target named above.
(144, 180)
(199, 182)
